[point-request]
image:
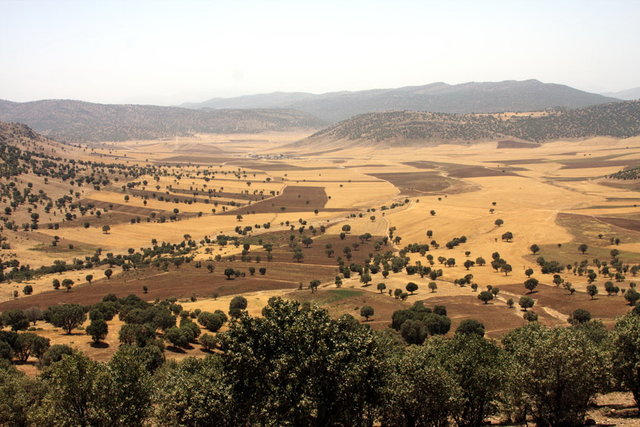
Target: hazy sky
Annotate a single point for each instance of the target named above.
(169, 52)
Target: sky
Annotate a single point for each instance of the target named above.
(169, 52)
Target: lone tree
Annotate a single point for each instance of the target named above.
(237, 305)
(499, 222)
(526, 302)
(98, 330)
(508, 236)
(229, 272)
(366, 312)
(534, 249)
(411, 287)
(433, 286)
(16, 319)
(592, 290)
(381, 287)
(106, 229)
(66, 316)
(583, 248)
(530, 284)
(108, 272)
(67, 284)
(485, 296)
(313, 285)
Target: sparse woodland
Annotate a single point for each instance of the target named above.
(355, 341)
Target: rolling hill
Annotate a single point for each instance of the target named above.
(473, 97)
(620, 120)
(627, 94)
(77, 121)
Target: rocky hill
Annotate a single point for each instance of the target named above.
(77, 121)
(11, 133)
(486, 97)
(620, 120)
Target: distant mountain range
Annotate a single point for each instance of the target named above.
(77, 121)
(627, 94)
(619, 119)
(487, 97)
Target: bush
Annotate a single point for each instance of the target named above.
(208, 342)
(178, 337)
(211, 321)
(469, 327)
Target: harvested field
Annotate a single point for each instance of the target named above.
(416, 183)
(350, 300)
(292, 199)
(181, 283)
(194, 159)
(497, 318)
(626, 223)
(625, 185)
(316, 252)
(586, 229)
(516, 144)
(587, 162)
(480, 171)
(223, 194)
(603, 307)
(463, 171)
(268, 166)
(174, 198)
(121, 208)
(115, 213)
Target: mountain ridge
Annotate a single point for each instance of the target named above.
(627, 94)
(79, 121)
(439, 97)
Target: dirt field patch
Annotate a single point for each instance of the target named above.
(603, 307)
(497, 318)
(598, 162)
(416, 183)
(516, 144)
(195, 159)
(464, 171)
(586, 229)
(316, 253)
(292, 199)
(626, 223)
(182, 283)
(350, 300)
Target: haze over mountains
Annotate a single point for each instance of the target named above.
(627, 94)
(486, 97)
(77, 121)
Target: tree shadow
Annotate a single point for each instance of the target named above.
(99, 344)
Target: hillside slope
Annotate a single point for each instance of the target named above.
(620, 120)
(77, 121)
(473, 97)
